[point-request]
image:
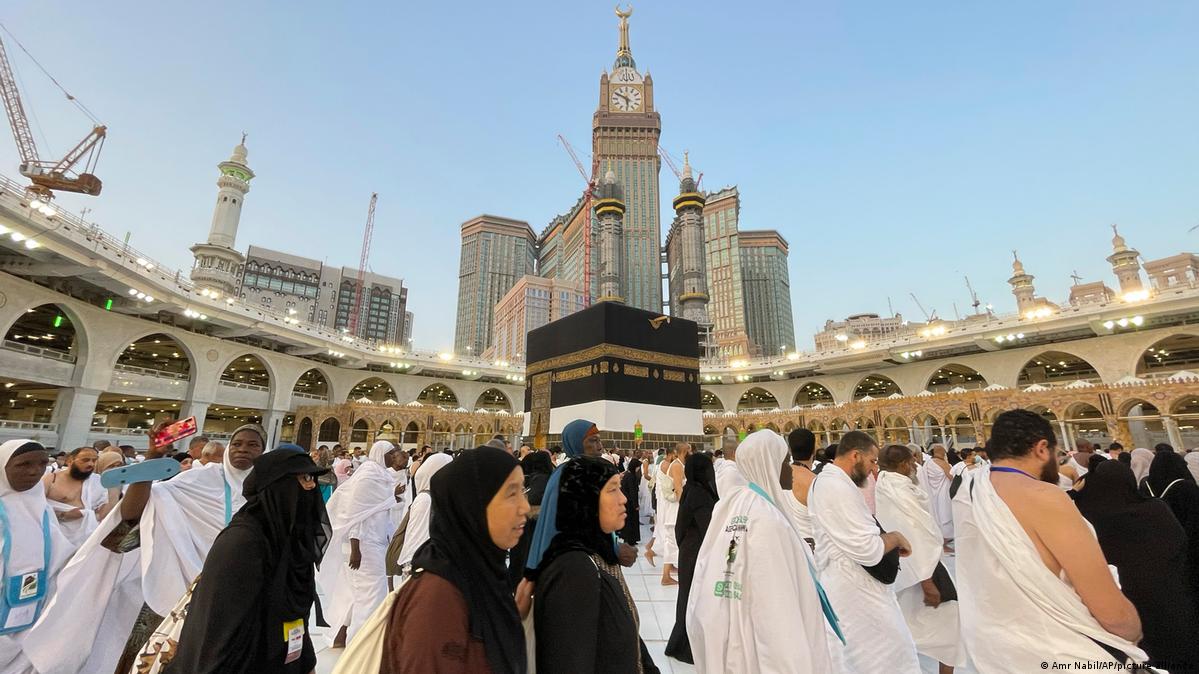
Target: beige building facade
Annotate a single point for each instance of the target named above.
(528, 305)
(496, 253)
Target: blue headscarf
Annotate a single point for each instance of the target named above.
(547, 522)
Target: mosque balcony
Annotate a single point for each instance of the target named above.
(45, 433)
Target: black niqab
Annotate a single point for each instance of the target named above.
(461, 551)
(578, 510)
(1165, 469)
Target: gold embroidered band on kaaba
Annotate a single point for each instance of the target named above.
(611, 351)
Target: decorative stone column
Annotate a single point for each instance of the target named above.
(73, 411)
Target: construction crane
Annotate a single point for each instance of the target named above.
(588, 195)
(362, 260)
(72, 173)
(675, 169)
(927, 316)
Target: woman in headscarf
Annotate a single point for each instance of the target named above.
(1170, 481)
(457, 613)
(695, 513)
(322, 457)
(355, 584)
(630, 486)
(537, 466)
(419, 515)
(584, 616)
(1148, 547)
(1139, 461)
(249, 610)
(580, 438)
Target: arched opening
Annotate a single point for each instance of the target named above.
(46, 331)
(311, 385)
(756, 399)
(360, 433)
(961, 429)
(708, 402)
(330, 431)
(247, 372)
(927, 430)
(895, 430)
(822, 435)
(304, 433)
(1186, 415)
(1054, 368)
(812, 393)
(953, 375)
(1179, 352)
(440, 436)
(875, 386)
(287, 432)
(222, 420)
(463, 436)
(412, 433)
(1085, 421)
(439, 395)
(493, 400)
(156, 355)
(374, 389)
(1144, 423)
(836, 429)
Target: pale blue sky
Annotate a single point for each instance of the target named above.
(897, 146)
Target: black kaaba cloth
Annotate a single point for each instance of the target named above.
(613, 352)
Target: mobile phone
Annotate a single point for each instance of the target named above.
(175, 432)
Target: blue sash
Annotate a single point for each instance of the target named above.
(825, 605)
(25, 592)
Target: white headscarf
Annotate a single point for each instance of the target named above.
(1141, 459)
(760, 460)
(1192, 459)
(25, 511)
(424, 474)
(378, 452)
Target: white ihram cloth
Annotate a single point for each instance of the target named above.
(182, 518)
(25, 511)
(728, 478)
(93, 496)
(666, 545)
(1015, 612)
(403, 501)
(759, 612)
(801, 518)
(422, 505)
(903, 506)
(936, 484)
(360, 508)
(877, 638)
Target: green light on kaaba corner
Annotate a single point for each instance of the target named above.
(108, 304)
(58, 321)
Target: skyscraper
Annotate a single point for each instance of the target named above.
(528, 305)
(625, 131)
(766, 287)
(726, 310)
(496, 253)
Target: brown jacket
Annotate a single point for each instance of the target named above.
(428, 631)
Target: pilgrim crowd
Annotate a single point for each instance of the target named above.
(1015, 556)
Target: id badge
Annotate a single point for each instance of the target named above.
(24, 588)
(293, 634)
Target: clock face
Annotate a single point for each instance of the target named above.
(626, 98)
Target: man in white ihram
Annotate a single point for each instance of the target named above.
(1035, 587)
(848, 540)
(353, 573)
(755, 605)
(923, 587)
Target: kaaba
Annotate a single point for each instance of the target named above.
(625, 369)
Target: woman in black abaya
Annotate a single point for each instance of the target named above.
(1145, 542)
(1171, 481)
(695, 512)
(630, 486)
(259, 582)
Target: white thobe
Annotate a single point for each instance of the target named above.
(667, 512)
(936, 485)
(419, 513)
(182, 518)
(903, 506)
(728, 478)
(759, 612)
(877, 638)
(360, 508)
(1015, 612)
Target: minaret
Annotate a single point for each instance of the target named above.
(1125, 264)
(218, 266)
(692, 299)
(1022, 286)
(609, 213)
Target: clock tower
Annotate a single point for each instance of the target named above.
(624, 138)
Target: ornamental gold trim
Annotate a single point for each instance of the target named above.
(612, 351)
(636, 371)
(574, 373)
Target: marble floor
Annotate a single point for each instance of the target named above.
(656, 607)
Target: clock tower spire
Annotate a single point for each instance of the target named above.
(624, 138)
